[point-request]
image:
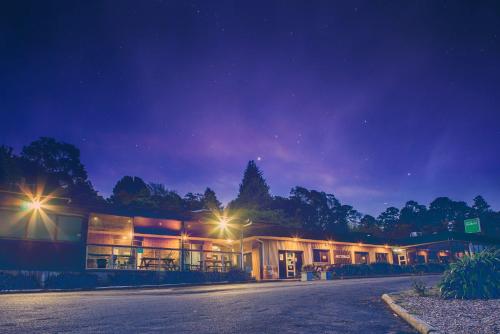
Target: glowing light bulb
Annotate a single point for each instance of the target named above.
(35, 205)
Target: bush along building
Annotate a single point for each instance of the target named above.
(45, 234)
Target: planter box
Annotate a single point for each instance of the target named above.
(306, 276)
(326, 275)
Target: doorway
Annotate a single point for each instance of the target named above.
(290, 264)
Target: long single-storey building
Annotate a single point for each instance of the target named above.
(55, 236)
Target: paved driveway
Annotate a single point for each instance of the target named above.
(347, 306)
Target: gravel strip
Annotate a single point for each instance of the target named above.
(455, 315)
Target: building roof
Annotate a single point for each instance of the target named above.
(271, 230)
(446, 236)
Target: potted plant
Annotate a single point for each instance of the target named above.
(327, 273)
(307, 273)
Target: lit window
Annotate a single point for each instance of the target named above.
(320, 255)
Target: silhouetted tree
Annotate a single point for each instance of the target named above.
(58, 166)
(210, 200)
(388, 220)
(254, 191)
(489, 219)
(130, 189)
(10, 172)
(480, 206)
(59, 159)
(413, 215)
(447, 215)
(368, 224)
(193, 202)
(166, 200)
(348, 216)
(320, 211)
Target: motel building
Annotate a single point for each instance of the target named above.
(54, 236)
(269, 252)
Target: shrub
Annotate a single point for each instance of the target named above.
(237, 275)
(419, 287)
(309, 268)
(18, 282)
(353, 270)
(133, 278)
(436, 267)
(71, 281)
(189, 277)
(473, 277)
(396, 269)
(420, 268)
(407, 269)
(381, 268)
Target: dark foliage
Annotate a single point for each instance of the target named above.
(72, 281)
(254, 191)
(419, 287)
(54, 165)
(58, 166)
(175, 277)
(18, 282)
(473, 277)
(374, 269)
(130, 190)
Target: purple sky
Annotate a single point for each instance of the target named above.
(376, 102)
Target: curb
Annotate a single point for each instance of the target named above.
(121, 287)
(386, 276)
(417, 323)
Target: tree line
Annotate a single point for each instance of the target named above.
(59, 167)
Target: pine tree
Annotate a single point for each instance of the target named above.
(254, 191)
(480, 206)
(210, 200)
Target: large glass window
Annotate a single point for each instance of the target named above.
(12, 224)
(361, 257)
(381, 257)
(41, 227)
(69, 228)
(321, 255)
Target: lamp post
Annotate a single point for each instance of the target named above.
(223, 223)
(248, 223)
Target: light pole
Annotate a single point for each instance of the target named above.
(248, 223)
(223, 223)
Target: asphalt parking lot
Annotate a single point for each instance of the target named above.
(344, 306)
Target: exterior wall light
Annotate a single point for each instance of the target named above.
(35, 205)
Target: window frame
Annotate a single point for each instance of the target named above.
(384, 254)
(320, 252)
(27, 230)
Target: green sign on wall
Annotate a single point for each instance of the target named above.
(472, 225)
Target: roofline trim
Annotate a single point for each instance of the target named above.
(316, 241)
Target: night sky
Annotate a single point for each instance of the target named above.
(377, 102)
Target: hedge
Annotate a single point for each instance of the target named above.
(473, 277)
(87, 280)
(374, 269)
(18, 282)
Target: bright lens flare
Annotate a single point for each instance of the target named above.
(33, 210)
(223, 223)
(35, 205)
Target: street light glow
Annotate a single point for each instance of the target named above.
(223, 223)
(35, 205)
